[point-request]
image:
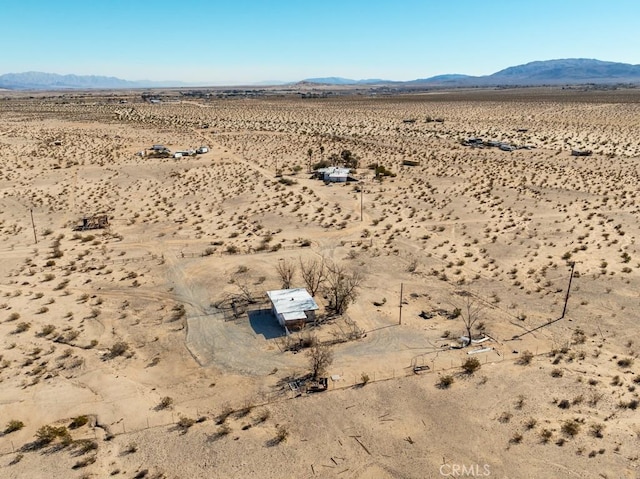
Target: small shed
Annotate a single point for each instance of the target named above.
(292, 307)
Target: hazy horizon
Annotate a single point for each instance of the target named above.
(247, 42)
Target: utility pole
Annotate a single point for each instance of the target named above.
(400, 316)
(34, 226)
(361, 193)
(566, 299)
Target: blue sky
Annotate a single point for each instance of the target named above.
(245, 41)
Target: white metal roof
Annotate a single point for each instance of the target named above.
(334, 170)
(295, 300)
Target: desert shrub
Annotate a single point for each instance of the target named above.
(22, 327)
(516, 438)
(165, 402)
(131, 448)
(13, 317)
(185, 423)
(245, 410)
(471, 365)
(531, 423)
(505, 417)
(282, 433)
(263, 416)
(78, 422)
(445, 381)
(223, 430)
(13, 425)
(287, 181)
(224, 414)
(525, 359)
(364, 379)
(46, 330)
(84, 462)
(625, 362)
(571, 427)
(579, 336)
(596, 430)
(564, 404)
(556, 373)
(179, 311)
(47, 434)
(118, 349)
(545, 435)
(632, 404)
(86, 445)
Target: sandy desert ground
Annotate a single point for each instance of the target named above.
(118, 353)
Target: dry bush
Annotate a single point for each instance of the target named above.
(165, 403)
(444, 382)
(471, 365)
(185, 423)
(571, 427)
(13, 425)
(525, 359)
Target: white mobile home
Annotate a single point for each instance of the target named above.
(293, 307)
(333, 174)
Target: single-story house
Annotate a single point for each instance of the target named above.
(292, 307)
(333, 174)
(202, 150)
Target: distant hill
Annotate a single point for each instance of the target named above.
(573, 70)
(549, 72)
(53, 81)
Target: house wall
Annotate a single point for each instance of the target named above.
(278, 316)
(338, 179)
(311, 316)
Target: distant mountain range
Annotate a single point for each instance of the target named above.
(549, 72)
(53, 81)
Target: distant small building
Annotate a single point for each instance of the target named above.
(94, 222)
(292, 307)
(333, 174)
(202, 150)
(159, 148)
(180, 154)
(581, 152)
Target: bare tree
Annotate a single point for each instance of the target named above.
(286, 270)
(342, 286)
(470, 312)
(320, 358)
(313, 273)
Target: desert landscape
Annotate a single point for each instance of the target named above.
(145, 348)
